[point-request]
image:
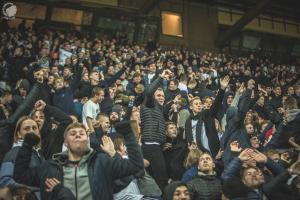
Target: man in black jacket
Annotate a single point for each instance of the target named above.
(200, 126)
(153, 130)
(174, 151)
(94, 172)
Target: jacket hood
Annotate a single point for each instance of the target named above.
(25, 84)
(63, 157)
(170, 189)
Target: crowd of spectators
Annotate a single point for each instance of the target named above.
(98, 118)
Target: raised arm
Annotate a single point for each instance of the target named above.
(149, 100)
(236, 121)
(115, 77)
(7, 126)
(233, 168)
(217, 105)
(244, 105)
(76, 81)
(26, 107)
(234, 103)
(56, 139)
(124, 167)
(236, 99)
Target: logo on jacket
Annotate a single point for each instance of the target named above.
(9, 11)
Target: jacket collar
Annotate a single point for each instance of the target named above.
(63, 157)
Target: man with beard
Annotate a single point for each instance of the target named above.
(94, 172)
(114, 117)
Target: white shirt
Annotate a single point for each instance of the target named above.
(194, 126)
(150, 77)
(131, 192)
(182, 87)
(204, 139)
(91, 110)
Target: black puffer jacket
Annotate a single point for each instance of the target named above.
(205, 187)
(153, 122)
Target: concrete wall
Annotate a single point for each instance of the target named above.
(200, 24)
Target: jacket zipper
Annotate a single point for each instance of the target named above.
(76, 189)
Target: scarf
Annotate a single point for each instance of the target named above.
(194, 117)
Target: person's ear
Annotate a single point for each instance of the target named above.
(66, 145)
(19, 135)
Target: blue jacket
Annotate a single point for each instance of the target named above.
(189, 174)
(8, 165)
(234, 128)
(95, 139)
(230, 176)
(64, 98)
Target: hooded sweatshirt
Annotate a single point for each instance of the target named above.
(76, 175)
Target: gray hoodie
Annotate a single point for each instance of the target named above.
(76, 175)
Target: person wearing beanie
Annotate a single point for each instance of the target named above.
(176, 191)
(114, 117)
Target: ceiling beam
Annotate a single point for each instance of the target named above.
(241, 23)
(148, 6)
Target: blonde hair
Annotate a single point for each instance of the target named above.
(194, 99)
(72, 126)
(135, 129)
(18, 126)
(192, 158)
(118, 142)
(58, 78)
(99, 119)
